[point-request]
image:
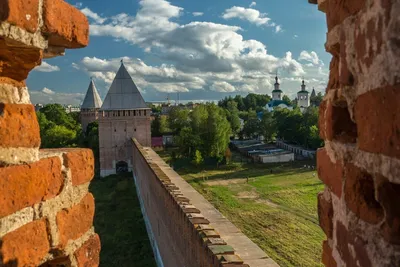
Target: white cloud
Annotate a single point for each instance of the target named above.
(46, 96)
(90, 14)
(201, 55)
(253, 4)
(278, 28)
(78, 4)
(222, 86)
(311, 57)
(295, 36)
(252, 15)
(197, 14)
(48, 91)
(46, 67)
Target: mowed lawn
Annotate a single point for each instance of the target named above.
(277, 210)
(119, 222)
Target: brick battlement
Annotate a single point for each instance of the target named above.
(186, 229)
(46, 211)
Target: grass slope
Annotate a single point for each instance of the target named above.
(277, 210)
(119, 222)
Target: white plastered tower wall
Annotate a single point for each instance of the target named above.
(124, 115)
(90, 106)
(277, 93)
(303, 97)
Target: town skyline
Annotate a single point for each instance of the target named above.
(203, 51)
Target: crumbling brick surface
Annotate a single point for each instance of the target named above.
(75, 221)
(359, 121)
(73, 160)
(65, 25)
(26, 246)
(24, 185)
(46, 212)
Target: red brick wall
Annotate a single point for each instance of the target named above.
(359, 210)
(182, 234)
(46, 212)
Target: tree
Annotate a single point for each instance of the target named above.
(251, 127)
(57, 114)
(232, 114)
(268, 126)
(156, 126)
(316, 100)
(58, 136)
(198, 159)
(287, 100)
(178, 118)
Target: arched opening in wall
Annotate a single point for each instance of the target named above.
(121, 167)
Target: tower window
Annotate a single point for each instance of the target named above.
(119, 113)
(135, 129)
(134, 113)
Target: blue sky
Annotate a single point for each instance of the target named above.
(202, 49)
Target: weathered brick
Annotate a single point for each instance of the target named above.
(336, 124)
(339, 10)
(321, 119)
(89, 254)
(357, 256)
(81, 163)
(26, 246)
(75, 221)
(17, 61)
(65, 25)
(388, 196)
(18, 126)
(22, 13)
(359, 193)
(377, 115)
(346, 78)
(330, 173)
(325, 214)
(24, 185)
(327, 258)
(333, 82)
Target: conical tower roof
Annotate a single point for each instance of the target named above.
(123, 93)
(92, 98)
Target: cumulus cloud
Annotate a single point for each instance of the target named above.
(252, 15)
(48, 91)
(78, 4)
(253, 4)
(197, 14)
(46, 96)
(311, 57)
(201, 55)
(46, 67)
(222, 86)
(94, 16)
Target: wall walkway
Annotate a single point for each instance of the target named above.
(187, 230)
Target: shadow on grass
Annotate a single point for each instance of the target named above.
(119, 222)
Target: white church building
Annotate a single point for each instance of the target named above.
(277, 101)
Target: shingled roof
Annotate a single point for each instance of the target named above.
(92, 98)
(123, 93)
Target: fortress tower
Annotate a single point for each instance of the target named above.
(124, 115)
(90, 106)
(302, 97)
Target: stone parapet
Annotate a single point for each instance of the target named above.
(360, 124)
(46, 212)
(181, 234)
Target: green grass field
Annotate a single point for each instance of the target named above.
(277, 210)
(119, 223)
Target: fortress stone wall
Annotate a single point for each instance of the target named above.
(359, 210)
(46, 212)
(184, 228)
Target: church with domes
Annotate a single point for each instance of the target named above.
(277, 95)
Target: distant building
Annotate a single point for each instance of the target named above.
(124, 115)
(90, 106)
(38, 107)
(303, 101)
(70, 108)
(277, 101)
